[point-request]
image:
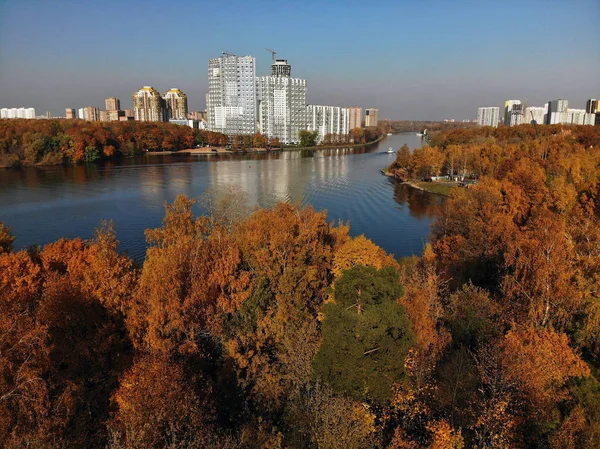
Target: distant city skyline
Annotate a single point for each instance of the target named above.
(408, 61)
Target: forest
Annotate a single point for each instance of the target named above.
(274, 328)
(402, 126)
(51, 142)
(477, 152)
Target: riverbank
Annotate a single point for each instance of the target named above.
(211, 150)
(204, 150)
(437, 188)
(333, 147)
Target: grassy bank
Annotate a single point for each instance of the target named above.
(439, 188)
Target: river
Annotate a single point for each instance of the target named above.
(43, 204)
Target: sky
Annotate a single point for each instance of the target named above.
(412, 59)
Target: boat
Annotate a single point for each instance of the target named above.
(389, 134)
(391, 150)
(419, 134)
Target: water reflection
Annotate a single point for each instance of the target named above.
(420, 204)
(42, 204)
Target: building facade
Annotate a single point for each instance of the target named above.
(148, 105)
(371, 117)
(282, 109)
(589, 119)
(70, 113)
(513, 112)
(591, 106)
(112, 104)
(197, 115)
(557, 112)
(17, 113)
(537, 113)
(575, 116)
(176, 103)
(488, 116)
(231, 100)
(332, 121)
(110, 116)
(89, 113)
(355, 117)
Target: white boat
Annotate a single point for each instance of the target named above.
(389, 134)
(419, 134)
(391, 150)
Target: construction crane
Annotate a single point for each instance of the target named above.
(272, 53)
(226, 53)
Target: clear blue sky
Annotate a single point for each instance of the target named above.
(411, 59)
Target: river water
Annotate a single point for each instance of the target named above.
(43, 204)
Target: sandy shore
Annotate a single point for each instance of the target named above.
(205, 150)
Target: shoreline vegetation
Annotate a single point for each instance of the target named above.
(53, 142)
(275, 328)
(437, 188)
(459, 157)
(39, 142)
(221, 150)
(335, 146)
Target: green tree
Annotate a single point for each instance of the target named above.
(366, 335)
(91, 154)
(308, 138)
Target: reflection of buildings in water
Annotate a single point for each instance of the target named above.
(264, 179)
(239, 173)
(162, 183)
(288, 176)
(420, 204)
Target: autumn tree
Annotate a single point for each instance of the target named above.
(23, 352)
(55, 141)
(444, 436)
(180, 294)
(360, 251)
(259, 141)
(6, 239)
(274, 335)
(321, 419)
(542, 362)
(274, 142)
(62, 349)
(159, 405)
